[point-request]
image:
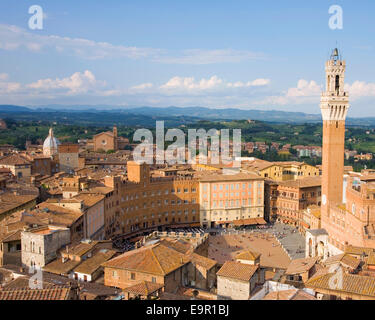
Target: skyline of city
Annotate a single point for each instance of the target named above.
(106, 195)
(265, 57)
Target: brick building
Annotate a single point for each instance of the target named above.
(144, 203)
(106, 141)
(155, 264)
(295, 196)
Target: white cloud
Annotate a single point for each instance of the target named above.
(254, 83)
(305, 89)
(360, 89)
(142, 86)
(189, 83)
(305, 92)
(77, 83)
(8, 87)
(13, 38)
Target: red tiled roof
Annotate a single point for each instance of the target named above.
(14, 159)
(298, 266)
(144, 288)
(57, 293)
(155, 259)
(361, 285)
(237, 270)
(248, 255)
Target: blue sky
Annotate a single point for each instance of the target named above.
(244, 54)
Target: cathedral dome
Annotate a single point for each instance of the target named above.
(50, 144)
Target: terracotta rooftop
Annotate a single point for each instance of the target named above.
(100, 190)
(10, 201)
(16, 221)
(292, 294)
(144, 288)
(237, 270)
(12, 236)
(256, 164)
(351, 283)
(345, 259)
(248, 255)
(54, 280)
(81, 248)
(358, 250)
(204, 262)
(303, 183)
(55, 214)
(154, 259)
(90, 265)
(23, 282)
(14, 159)
(89, 200)
(178, 245)
(61, 268)
(56, 293)
(370, 259)
(300, 265)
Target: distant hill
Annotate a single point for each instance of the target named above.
(11, 108)
(194, 112)
(174, 113)
(229, 114)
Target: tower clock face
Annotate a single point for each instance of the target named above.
(324, 199)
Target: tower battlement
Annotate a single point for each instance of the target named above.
(334, 102)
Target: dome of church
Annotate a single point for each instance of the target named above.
(50, 144)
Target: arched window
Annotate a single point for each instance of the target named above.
(337, 83)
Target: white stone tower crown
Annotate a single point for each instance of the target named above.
(334, 102)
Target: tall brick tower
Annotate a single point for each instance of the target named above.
(334, 105)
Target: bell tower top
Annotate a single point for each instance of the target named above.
(335, 100)
(335, 74)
